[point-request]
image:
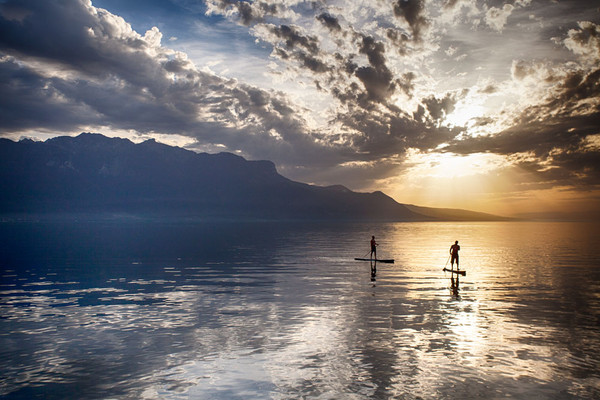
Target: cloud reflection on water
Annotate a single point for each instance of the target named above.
(292, 315)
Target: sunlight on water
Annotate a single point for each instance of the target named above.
(163, 311)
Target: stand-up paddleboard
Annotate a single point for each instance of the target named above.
(386, 261)
(454, 271)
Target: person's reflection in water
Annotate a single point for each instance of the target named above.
(454, 286)
(373, 270)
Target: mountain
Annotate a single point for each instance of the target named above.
(454, 214)
(92, 173)
(572, 216)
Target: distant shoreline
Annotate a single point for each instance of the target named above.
(174, 218)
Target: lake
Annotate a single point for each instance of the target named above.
(157, 310)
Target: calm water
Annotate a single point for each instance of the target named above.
(272, 311)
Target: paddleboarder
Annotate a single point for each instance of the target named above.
(373, 247)
(454, 254)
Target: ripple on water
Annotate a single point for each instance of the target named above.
(292, 315)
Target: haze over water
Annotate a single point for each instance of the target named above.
(147, 310)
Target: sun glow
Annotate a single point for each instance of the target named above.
(463, 114)
(452, 181)
(449, 165)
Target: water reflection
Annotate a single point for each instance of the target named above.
(269, 311)
(373, 270)
(455, 285)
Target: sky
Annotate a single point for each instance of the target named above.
(486, 105)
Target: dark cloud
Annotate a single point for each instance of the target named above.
(246, 14)
(96, 45)
(330, 22)
(405, 82)
(58, 38)
(413, 12)
(576, 167)
(489, 89)
(304, 49)
(439, 108)
(380, 128)
(105, 74)
(284, 55)
(399, 39)
(349, 67)
(66, 65)
(32, 101)
(553, 134)
(390, 132)
(377, 82)
(538, 134)
(377, 79)
(578, 86)
(556, 139)
(375, 52)
(249, 12)
(312, 63)
(292, 38)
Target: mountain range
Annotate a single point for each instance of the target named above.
(92, 173)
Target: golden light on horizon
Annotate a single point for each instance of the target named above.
(481, 182)
(450, 165)
(453, 181)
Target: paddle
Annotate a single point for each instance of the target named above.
(445, 265)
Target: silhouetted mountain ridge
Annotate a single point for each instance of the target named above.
(92, 173)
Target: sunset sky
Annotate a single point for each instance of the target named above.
(485, 105)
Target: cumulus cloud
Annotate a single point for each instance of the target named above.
(439, 108)
(99, 71)
(413, 12)
(585, 41)
(32, 101)
(555, 133)
(90, 68)
(496, 17)
(330, 21)
(352, 64)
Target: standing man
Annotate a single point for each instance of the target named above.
(454, 254)
(373, 247)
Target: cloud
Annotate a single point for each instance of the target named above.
(413, 12)
(496, 17)
(352, 66)
(90, 67)
(32, 101)
(554, 137)
(439, 108)
(247, 12)
(585, 41)
(330, 22)
(292, 38)
(555, 134)
(353, 86)
(303, 48)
